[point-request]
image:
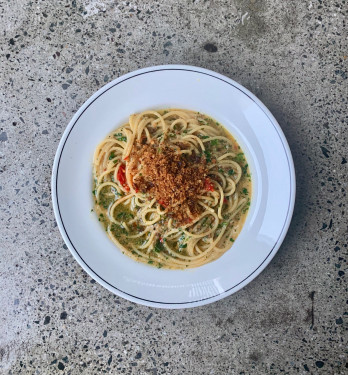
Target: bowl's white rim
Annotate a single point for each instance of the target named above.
(159, 304)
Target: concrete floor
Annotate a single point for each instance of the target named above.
(54, 318)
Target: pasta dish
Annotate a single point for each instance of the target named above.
(172, 188)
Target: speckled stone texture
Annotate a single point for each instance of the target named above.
(54, 319)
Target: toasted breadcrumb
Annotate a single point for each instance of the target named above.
(173, 179)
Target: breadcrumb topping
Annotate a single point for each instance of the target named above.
(172, 178)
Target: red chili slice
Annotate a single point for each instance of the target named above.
(161, 203)
(208, 185)
(121, 176)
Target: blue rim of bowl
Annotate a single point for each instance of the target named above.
(112, 287)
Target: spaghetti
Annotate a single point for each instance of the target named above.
(172, 188)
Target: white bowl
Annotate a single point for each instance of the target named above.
(267, 153)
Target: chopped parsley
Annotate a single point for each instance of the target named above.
(245, 191)
(207, 156)
(150, 261)
(120, 137)
(231, 172)
(118, 230)
(158, 246)
(203, 136)
(246, 207)
(124, 216)
(182, 244)
(112, 155)
(214, 142)
(223, 224)
(231, 239)
(245, 170)
(239, 158)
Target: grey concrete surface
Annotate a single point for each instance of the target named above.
(54, 319)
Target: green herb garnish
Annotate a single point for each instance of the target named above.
(231, 172)
(124, 216)
(223, 224)
(245, 170)
(240, 157)
(207, 156)
(246, 207)
(158, 246)
(120, 137)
